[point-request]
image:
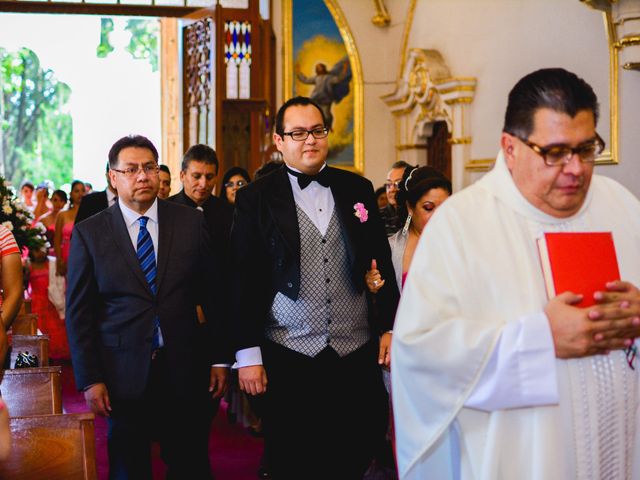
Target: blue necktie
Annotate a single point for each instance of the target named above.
(147, 258)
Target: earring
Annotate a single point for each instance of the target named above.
(405, 229)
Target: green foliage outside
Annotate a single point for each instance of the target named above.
(36, 130)
(143, 43)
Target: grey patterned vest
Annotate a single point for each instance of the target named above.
(329, 311)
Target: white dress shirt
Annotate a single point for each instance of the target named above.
(318, 204)
(131, 220)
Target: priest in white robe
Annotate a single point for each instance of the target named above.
(491, 379)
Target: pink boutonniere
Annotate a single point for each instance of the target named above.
(361, 212)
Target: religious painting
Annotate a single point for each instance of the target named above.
(321, 62)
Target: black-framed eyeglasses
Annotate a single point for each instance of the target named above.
(239, 184)
(150, 169)
(561, 154)
(302, 135)
(390, 185)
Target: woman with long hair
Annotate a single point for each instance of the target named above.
(64, 227)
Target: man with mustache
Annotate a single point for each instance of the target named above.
(491, 379)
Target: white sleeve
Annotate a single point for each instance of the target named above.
(248, 357)
(522, 369)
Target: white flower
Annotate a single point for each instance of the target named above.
(7, 209)
(40, 226)
(8, 225)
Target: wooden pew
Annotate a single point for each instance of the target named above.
(52, 447)
(26, 324)
(37, 345)
(32, 391)
(25, 307)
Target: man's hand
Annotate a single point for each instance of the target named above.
(384, 354)
(97, 399)
(373, 278)
(619, 309)
(219, 381)
(609, 325)
(252, 379)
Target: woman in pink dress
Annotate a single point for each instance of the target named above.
(58, 201)
(64, 227)
(49, 322)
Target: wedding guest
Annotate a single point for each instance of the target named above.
(233, 179)
(165, 182)
(43, 205)
(26, 194)
(390, 213)
(58, 202)
(64, 227)
(49, 322)
(11, 275)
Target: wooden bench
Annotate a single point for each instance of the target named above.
(26, 324)
(32, 391)
(37, 345)
(52, 447)
(25, 307)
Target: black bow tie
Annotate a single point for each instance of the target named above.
(322, 177)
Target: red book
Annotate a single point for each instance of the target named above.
(580, 262)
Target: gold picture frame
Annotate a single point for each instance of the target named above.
(357, 83)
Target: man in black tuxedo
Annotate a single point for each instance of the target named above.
(137, 270)
(306, 335)
(95, 202)
(199, 174)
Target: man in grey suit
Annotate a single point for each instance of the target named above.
(137, 270)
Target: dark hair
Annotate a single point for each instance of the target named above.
(227, 176)
(73, 185)
(553, 88)
(401, 164)
(88, 185)
(380, 191)
(61, 194)
(165, 169)
(137, 141)
(27, 183)
(416, 181)
(292, 102)
(267, 168)
(200, 153)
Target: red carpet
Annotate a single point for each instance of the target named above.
(234, 454)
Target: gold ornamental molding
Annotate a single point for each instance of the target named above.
(405, 36)
(381, 18)
(480, 164)
(426, 93)
(460, 141)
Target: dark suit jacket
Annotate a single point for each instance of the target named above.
(217, 215)
(111, 309)
(265, 245)
(91, 204)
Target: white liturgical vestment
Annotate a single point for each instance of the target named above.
(475, 270)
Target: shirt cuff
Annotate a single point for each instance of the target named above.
(248, 357)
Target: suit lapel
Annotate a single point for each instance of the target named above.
(344, 208)
(283, 210)
(165, 236)
(123, 242)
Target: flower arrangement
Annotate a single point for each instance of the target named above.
(17, 218)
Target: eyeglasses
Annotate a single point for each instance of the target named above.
(396, 185)
(302, 135)
(561, 154)
(131, 172)
(239, 184)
